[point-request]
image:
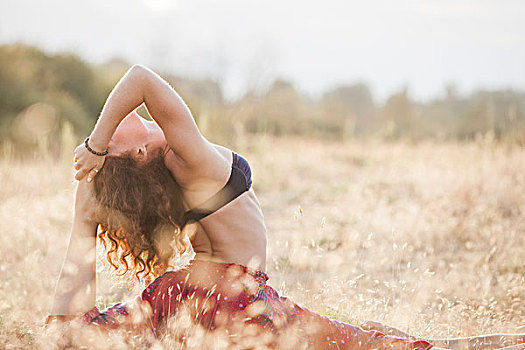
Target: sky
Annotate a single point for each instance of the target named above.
(422, 45)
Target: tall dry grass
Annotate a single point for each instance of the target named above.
(426, 237)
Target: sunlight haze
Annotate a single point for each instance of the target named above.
(423, 45)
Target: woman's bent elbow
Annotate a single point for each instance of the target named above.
(140, 70)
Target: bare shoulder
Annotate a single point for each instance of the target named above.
(212, 166)
(224, 152)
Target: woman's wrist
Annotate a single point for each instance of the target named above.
(59, 318)
(103, 131)
(93, 151)
(96, 144)
(86, 317)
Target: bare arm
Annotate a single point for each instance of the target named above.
(75, 290)
(76, 287)
(142, 86)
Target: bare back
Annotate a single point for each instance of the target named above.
(236, 232)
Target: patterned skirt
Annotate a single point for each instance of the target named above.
(233, 304)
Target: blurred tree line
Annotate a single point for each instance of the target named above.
(48, 102)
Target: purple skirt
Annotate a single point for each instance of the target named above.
(233, 303)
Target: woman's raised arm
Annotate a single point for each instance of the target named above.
(141, 85)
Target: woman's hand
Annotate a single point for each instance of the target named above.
(87, 163)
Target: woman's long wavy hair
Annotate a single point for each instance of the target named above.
(141, 215)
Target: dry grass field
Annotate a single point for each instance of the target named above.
(429, 237)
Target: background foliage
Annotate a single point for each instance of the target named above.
(44, 98)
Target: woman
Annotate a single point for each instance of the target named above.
(156, 182)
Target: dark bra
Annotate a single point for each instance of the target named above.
(239, 182)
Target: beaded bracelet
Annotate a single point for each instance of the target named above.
(93, 151)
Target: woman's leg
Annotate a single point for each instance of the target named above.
(133, 315)
(324, 333)
(489, 341)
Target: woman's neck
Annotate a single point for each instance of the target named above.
(156, 137)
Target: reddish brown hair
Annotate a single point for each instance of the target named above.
(141, 215)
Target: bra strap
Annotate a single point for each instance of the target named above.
(237, 184)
